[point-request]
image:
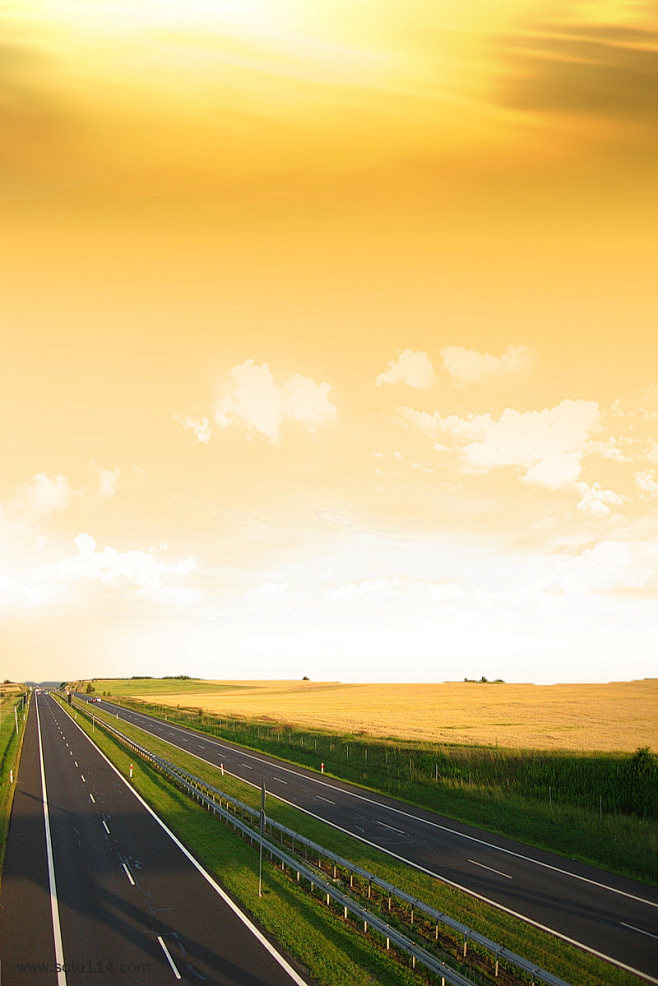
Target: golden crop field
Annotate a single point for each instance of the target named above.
(619, 716)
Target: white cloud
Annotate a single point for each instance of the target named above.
(548, 444)
(467, 366)
(652, 456)
(41, 496)
(435, 425)
(199, 427)
(136, 568)
(127, 572)
(608, 449)
(108, 481)
(646, 481)
(595, 500)
(254, 400)
(413, 368)
(609, 566)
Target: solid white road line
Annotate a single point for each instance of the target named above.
(295, 977)
(128, 873)
(490, 868)
(169, 958)
(641, 930)
(54, 905)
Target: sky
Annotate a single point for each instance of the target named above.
(329, 339)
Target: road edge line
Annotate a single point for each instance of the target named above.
(54, 904)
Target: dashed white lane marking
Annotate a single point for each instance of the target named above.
(641, 930)
(490, 868)
(82, 777)
(169, 958)
(280, 780)
(128, 874)
(328, 800)
(105, 826)
(92, 799)
(391, 827)
(75, 762)
(247, 766)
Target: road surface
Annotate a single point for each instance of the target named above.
(96, 886)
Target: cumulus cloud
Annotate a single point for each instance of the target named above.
(41, 496)
(135, 568)
(108, 481)
(546, 446)
(594, 500)
(200, 427)
(253, 399)
(124, 572)
(646, 481)
(608, 566)
(413, 368)
(434, 425)
(467, 366)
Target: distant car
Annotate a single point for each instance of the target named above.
(95, 699)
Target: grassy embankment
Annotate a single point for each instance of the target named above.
(574, 966)
(601, 808)
(10, 748)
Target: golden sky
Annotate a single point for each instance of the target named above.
(329, 339)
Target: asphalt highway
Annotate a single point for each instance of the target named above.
(614, 917)
(96, 890)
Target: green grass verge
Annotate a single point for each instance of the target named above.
(154, 686)
(10, 751)
(488, 787)
(575, 966)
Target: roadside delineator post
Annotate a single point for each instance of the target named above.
(131, 770)
(11, 776)
(221, 767)
(322, 768)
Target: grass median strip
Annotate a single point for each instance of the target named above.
(573, 965)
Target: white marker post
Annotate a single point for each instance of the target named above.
(131, 770)
(262, 833)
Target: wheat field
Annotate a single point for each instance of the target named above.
(618, 716)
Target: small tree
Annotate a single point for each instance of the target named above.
(90, 688)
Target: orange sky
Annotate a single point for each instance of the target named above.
(329, 339)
